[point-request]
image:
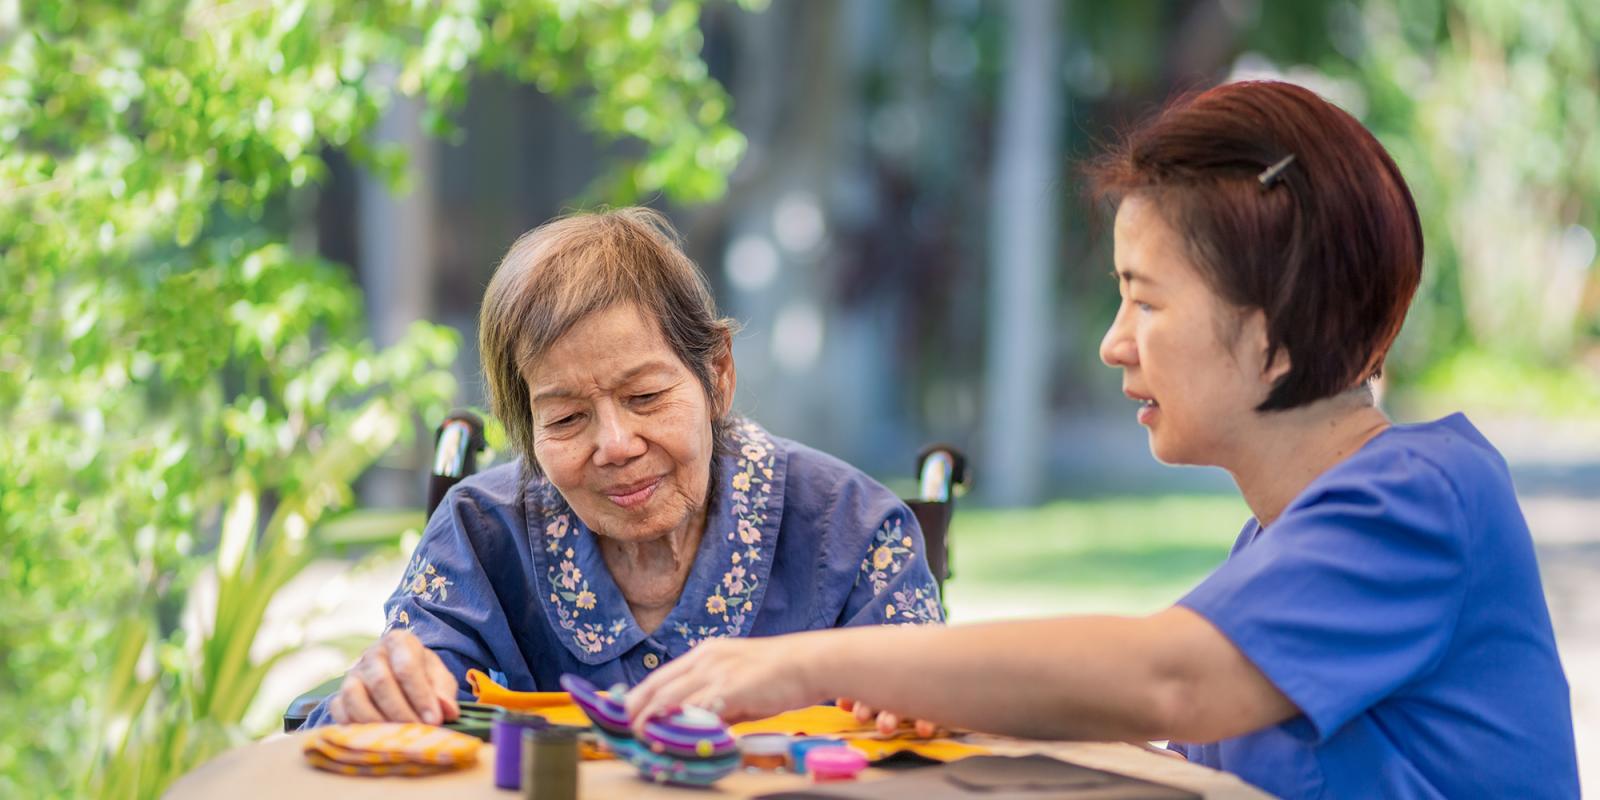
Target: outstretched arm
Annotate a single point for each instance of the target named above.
(1170, 675)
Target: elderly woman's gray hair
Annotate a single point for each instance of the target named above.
(568, 268)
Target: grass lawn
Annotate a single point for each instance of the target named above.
(1118, 555)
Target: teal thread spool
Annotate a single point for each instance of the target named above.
(800, 746)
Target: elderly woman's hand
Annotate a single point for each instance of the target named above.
(888, 721)
(397, 680)
(736, 679)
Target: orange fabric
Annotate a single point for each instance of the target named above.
(389, 748)
(394, 742)
(487, 691)
(558, 708)
(320, 761)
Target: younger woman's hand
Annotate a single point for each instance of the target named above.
(736, 679)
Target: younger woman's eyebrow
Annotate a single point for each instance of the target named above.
(1130, 276)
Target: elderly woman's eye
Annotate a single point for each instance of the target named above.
(646, 397)
(562, 421)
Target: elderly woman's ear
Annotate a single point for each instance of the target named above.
(725, 377)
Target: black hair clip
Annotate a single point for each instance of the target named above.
(1271, 174)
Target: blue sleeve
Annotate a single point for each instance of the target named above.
(1353, 592)
(893, 584)
(445, 598)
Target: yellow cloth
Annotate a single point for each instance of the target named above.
(863, 736)
(558, 708)
(809, 721)
(936, 749)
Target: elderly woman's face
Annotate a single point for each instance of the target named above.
(1194, 363)
(622, 428)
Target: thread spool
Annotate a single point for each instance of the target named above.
(805, 744)
(549, 764)
(841, 763)
(506, 734)
(764, 752)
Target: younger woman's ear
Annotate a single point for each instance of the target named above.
(1252, 338)
(1278, 367)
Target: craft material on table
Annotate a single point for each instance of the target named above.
(276, 768)
(507, 737)
(389, 748)
(476, 719)
(995, 778)
(800, 745)
(764, 751)
(840, 763)
(689, 748)
(808, 721)
(556, 707)
(549, 764)
(559, 709)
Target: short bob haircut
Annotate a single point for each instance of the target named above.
(568, 268)
(1330, 249)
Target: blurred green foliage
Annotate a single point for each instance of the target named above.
(1102, 555)
(1489, 108)
(184, 395)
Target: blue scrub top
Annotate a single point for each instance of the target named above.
(508, 580)
(1397, 603)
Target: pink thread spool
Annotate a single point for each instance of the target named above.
(835, 763)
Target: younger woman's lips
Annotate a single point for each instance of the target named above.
(632, 496)
(1147, 414)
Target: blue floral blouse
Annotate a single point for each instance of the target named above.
(508, 580)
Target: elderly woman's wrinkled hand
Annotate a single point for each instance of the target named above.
(397, 680)
(736, 679)
(887, 721)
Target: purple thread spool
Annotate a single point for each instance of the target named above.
(506, 735)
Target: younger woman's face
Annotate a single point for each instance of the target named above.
(1195, 363)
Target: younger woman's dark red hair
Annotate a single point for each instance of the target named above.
(1330, 249)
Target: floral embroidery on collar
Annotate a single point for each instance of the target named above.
(571, 597)
(724, 589)
(890, 554)
(748, 540)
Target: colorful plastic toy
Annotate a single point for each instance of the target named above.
(690, 747)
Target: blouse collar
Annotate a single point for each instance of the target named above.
(725, 586)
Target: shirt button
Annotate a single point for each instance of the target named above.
(651, 661)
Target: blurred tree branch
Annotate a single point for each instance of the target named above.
(168, 354)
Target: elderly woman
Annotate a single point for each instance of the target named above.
(1379, 629)
(644, 517)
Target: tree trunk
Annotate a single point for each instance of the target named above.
(1023, 213)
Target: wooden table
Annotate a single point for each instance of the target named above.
(274, 768)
